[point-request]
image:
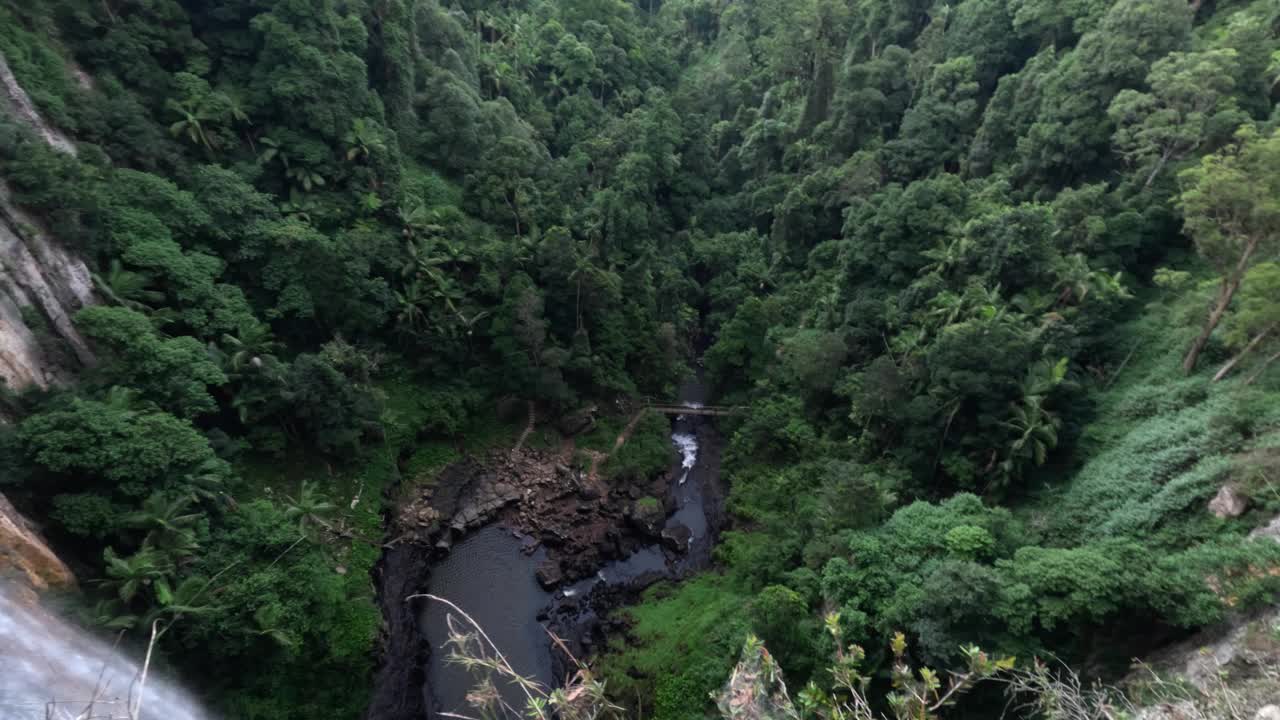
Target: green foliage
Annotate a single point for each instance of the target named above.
(647, 452)
(917, 692)
(700, 621)
(134, 450)
(85, 514)
(782, 618)
(280, 602)
(327, 236)
(1230, 212)
(175, 373)
(969, 541)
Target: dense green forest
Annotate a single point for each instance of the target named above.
(999, 281)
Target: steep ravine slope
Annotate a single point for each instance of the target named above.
(42, 284)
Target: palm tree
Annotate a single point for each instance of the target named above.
(1076, 281)
(945, 257)
(1035, 428)
(370, 203)
(126, 288)
(299, 208)
(309, 507)
(192, 117)
(427, 261)
(1035, 434)
(411, 303)
(206, 481)
(252, 341)
(945, 308)
(362, 140)
(427, 255)
(418, 220)
(170, 528)
(305, 178)
(470, 322)
(184, 599)
(129, 576)
(108, 613)
(235, 105)
(273, 150)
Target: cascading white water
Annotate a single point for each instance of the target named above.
(687, 444)
(49, 670)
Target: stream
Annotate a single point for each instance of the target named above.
(491, 575)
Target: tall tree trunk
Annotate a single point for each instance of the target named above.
(1241, 355)
(1164, 159)
(1229, 287)
(577, 304)
(1265, 364)
(514, 207)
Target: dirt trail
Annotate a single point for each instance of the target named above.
(625, 435)
(528, 428)
(599, 458)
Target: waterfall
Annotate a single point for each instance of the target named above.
(50, 670)
(687, 444)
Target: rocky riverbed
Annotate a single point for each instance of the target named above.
(596, 544)
(582, 522)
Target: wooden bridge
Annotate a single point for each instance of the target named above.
(678, 409)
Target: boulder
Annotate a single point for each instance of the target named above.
(1229, 502)
(577, 422)
(553, 535)
(647, 514)
(1270, 712)
(1271, 530)
(677, 537)
(549, 574)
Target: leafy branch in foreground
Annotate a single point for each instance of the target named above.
(582, 697)
(756, 690)
(918, 694)
(1059, 694)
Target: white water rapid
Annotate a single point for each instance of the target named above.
(51, 671)
(687, 444)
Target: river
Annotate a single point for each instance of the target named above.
(491, 576)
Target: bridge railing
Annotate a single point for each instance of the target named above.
(683, 409)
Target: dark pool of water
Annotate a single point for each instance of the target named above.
(493, 581)
(488, 576)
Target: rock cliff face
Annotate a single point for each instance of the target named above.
(27, 565)
(1228, 672)
(41, 283)
(1225, 673)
